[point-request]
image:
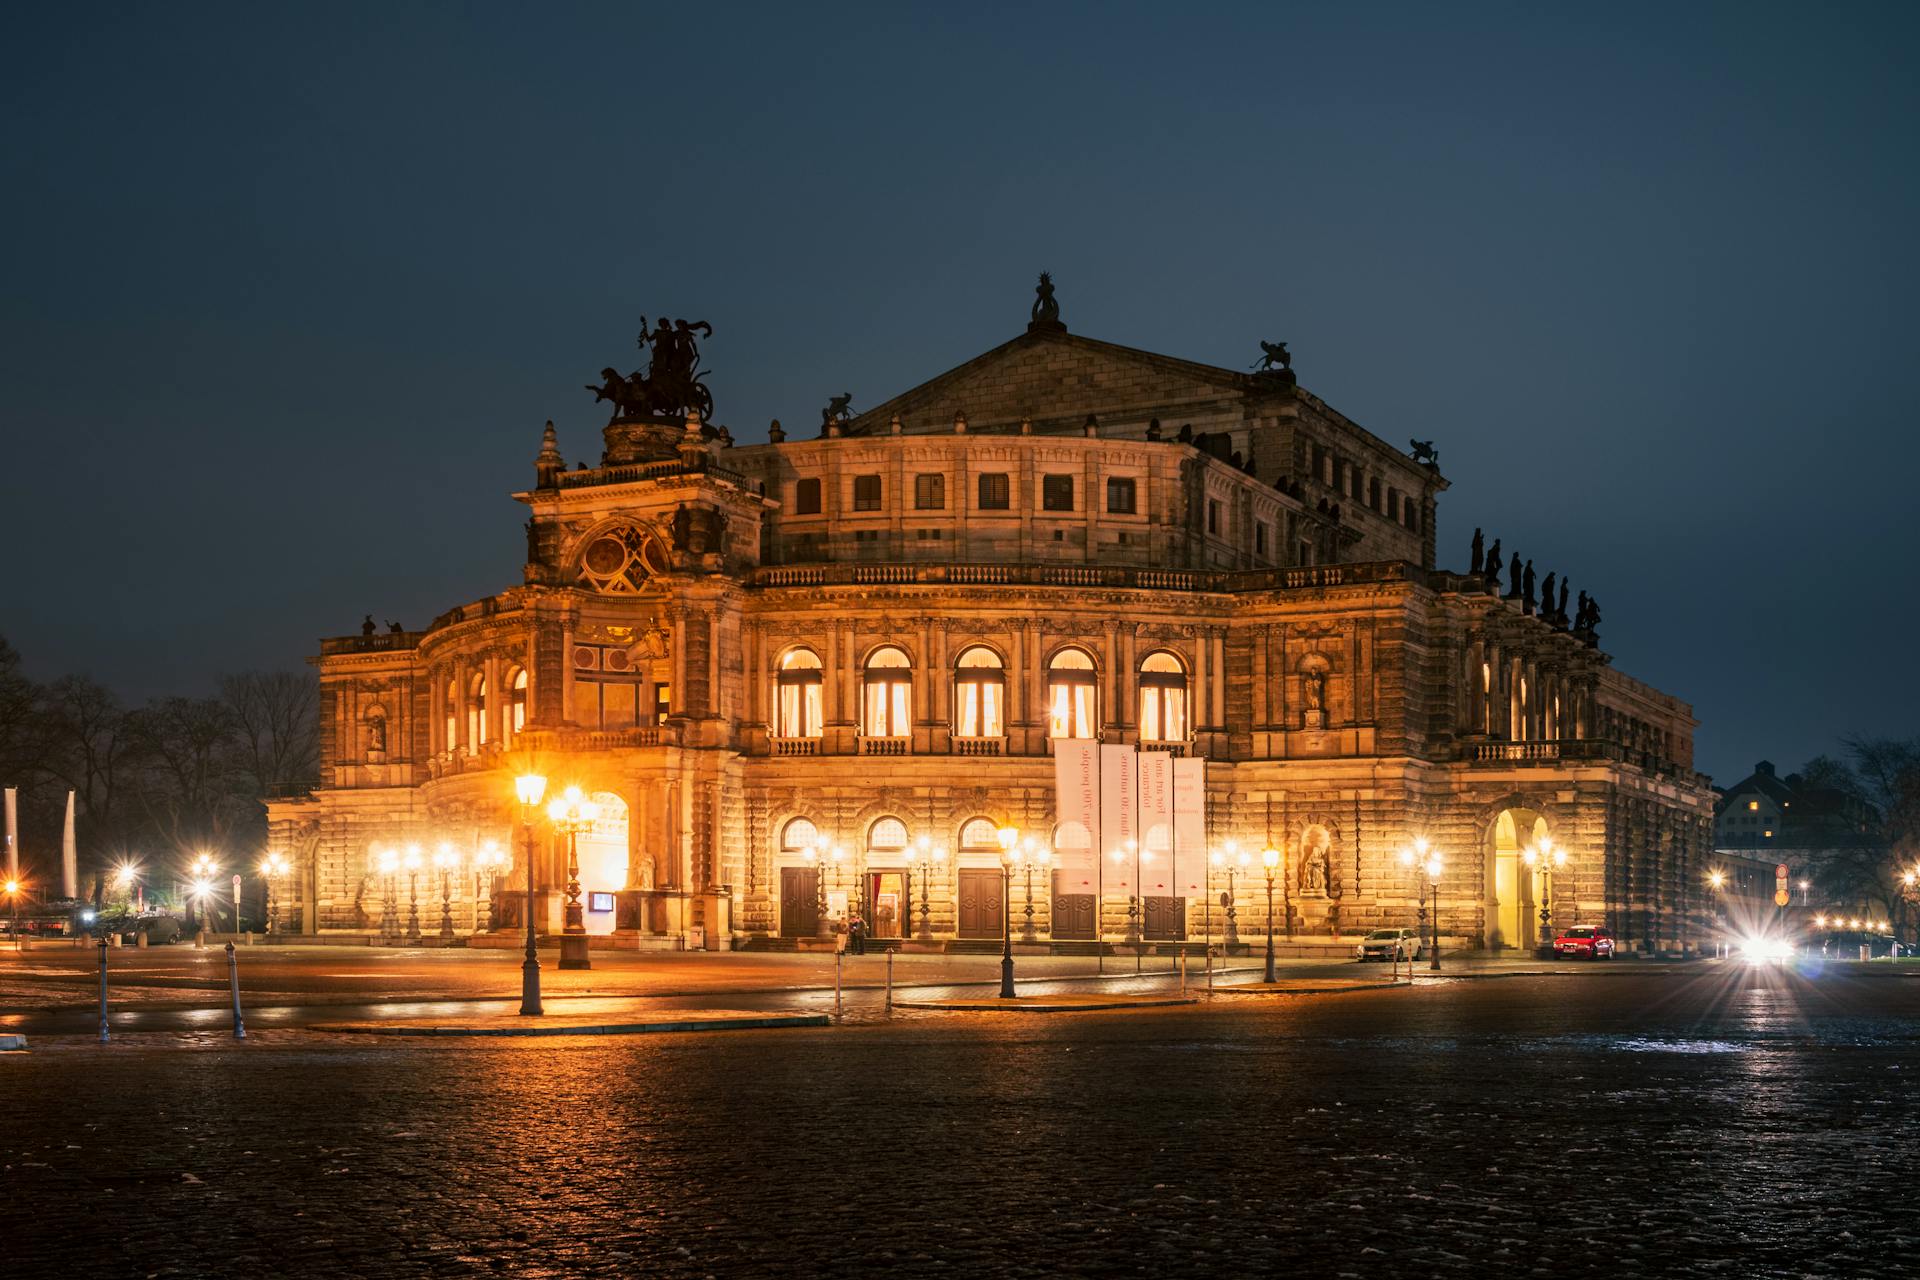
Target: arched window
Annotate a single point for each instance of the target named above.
(1070, 686)
(799, 700)
(887, 839)
(452, 726)
(979, 694)
(887, 686)
(799, 834)
(516, 703)
(978, 835)
(1163, 699)
(477, 712)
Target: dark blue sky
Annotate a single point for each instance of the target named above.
(289, 295)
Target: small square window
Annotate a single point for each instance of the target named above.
(1056, 493)
(995, 493)
(866, 493)
(1059, 535)
(1120, 495)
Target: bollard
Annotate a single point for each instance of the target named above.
(1183, 971)
(1209, 973)
(141, 941)
(889, 980)
(233, 980)
(200, 940)
(836, 984)
(105, 1035)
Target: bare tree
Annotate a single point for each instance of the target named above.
(91, 750)
(193, 780)
(276, 717)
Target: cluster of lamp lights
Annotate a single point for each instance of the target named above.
(487, 862)
(570, 813)
(1422, 856)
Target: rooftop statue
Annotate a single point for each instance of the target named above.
(671, 387)
(1274, 356)
(839, 409)
(1046, 309)
(1423, 451)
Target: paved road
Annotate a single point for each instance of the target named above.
(1705, 1120)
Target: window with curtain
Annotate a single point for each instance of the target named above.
(1070, 691)
(979, 694)
(800, 701)
(477, 713)
(886, 705)
(1163, 699)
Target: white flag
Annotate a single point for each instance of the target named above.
(1156, 824)
(1076, 785)
(1119, 800)
(69, 856)
(1190, 828)
(13, 835)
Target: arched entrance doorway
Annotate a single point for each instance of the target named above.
(1512, 891)
(602, 851)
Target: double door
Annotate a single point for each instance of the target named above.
(1166, 919)
(982, 906)
(799, 902)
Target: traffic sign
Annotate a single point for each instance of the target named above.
(1779, 897)
(1780, 871)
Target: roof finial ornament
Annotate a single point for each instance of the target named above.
(1046, 309)
(1275, 363)
(549, 464)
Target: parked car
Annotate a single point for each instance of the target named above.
(1390, 944)
(1585, 942)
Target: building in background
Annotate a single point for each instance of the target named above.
(815, 676)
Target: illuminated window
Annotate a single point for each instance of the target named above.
(477, 712)
(979, 694)
(516, 702)
(1070, 690)
(799, 696)
(452, 725)
(1753, 804)
(887, 694)
(887, 836)
(799, 834)
(1163, 699)
(980, 836)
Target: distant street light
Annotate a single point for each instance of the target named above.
(273, 866)
(488, 861)
(931, 856)
(12, 888)
(1009, 836)
(528, 788)
(571, 812)
(388, 863)
(411, 860)
(1545, 857)
(446, 860)
(1434, 868)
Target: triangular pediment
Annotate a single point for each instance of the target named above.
(1057, 379)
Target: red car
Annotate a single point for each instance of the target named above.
(1584, 941)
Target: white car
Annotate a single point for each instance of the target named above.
(1390, 944)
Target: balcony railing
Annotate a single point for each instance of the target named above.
(1054, 575)
(979, 746)
(646, 735)
(883, 746)
(796, 746)
(666, 469)
(1171, 748)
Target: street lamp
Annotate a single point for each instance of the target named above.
(271, 867)
(202, 869)
(571, 813)
(1031, 857)
(1415, 855)
(411, 860)
(488, 862)
(1009, 836)
(931, 857)
(1434, 867)
(1545, 857)
(1270, 859)
(528, 788)
(387, 863)
(446, 860)
(13, 899)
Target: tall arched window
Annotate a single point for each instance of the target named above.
(979, 694)
(1163, 699)
(516, 704)
(799, 701)
(452, 726)
(477, 712)
(1070, 686)
(887, 694)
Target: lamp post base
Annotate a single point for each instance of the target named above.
(530, 989)
(573, 951)
(1006, 977)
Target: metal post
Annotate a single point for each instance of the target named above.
(446, 906)
(1270, 977)
(1434, 963)
(413, 907)
(1006, 931)
(104, 1034)
(233, 982)
(530, 967)
(836, 981)
(1183, 971)
(889, 979)
(1209, 973)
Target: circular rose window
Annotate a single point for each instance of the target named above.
(618, 561)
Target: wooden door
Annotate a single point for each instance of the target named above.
(981, 904)
(799, 902)
(1166, 919)
(1073, 913)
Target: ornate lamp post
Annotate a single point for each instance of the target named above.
(1412, 857)
(272, 867)
(1032, 857)
(202, 868)
(1009, 837)
(571, 813)
(488, 862)
(932, 857)
(412, 862)
(446, 860)
(1545, 857)
(1434, 866)
(1270, 859)
(387, 863)
(822, 926)
(528, 788)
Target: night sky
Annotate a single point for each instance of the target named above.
(289, 295)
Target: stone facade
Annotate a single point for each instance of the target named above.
(861, 644)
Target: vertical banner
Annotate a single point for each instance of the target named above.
(1156, 824)
(1076, 785)
(13, 833)
(1190, 828)
(1119, 802)
(69, 857)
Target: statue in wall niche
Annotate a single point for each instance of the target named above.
(533, 543)
(1479, 562)
(643, 874)
(717, 530)
(1314, 685)
(376, 734)
(1313, 872)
